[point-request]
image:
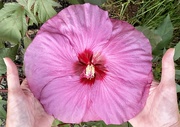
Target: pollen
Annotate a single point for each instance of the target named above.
(90, 71)
(90, 67)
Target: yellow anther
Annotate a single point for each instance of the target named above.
(90, 71)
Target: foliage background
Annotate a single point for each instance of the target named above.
(21, 19)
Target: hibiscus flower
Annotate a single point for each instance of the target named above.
(84, 66)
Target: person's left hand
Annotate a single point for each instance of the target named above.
(23, 109)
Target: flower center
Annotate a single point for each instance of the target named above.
(90, 67)
(90, 71)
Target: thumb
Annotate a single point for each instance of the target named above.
(12, 75)
(168, 70)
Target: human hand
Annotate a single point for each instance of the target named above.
(161, 109)
(23, 109)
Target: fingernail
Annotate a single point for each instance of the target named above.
(5, 61)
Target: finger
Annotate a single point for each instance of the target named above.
(24, 83)
(12, 75)
(24, 86)
(168, 70)
(154, 85)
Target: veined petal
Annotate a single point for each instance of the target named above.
(49, 56)
(123, 92)
(116, 100)
(66, 99)
(128, 53)
(86, 26)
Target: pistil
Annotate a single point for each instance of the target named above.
(90, 71)
(90, 67)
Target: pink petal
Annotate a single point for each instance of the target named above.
(68, 101)
(48, 57)
(85, 27)
(123, 92)
(126, 54)
(117, 100)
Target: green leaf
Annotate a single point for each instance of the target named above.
(32, 17)
(102, 124)
(7, 52)
(165, 30)
(76, 1)
(153, 38)
(12, 22)
(28, 5)
(96, 2)
(8, 9)
(177, 51)
(1, 44)
(2, 111)
(22, 2)
(1, 121)
(56, 122)
(177, 74)
(44, 9)
(26, 41)
(73, 1)
(1, 4)
(177, 88)
(12, 33)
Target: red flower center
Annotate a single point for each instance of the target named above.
(90, 67)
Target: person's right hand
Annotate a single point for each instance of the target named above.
(161, 109)
(23, 109)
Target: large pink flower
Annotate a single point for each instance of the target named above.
(84, 66)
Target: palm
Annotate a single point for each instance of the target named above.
(161, 109)
(22, 105)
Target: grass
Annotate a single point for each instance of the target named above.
(148, 13)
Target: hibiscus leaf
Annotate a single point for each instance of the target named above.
(102, 124)
(14, 15)
(165, 30)
(153, 38)
(96, 2)
(32, 17)
(56, 122)
(177, 88)
(44, 9)
(178, 74)
(2, 110)
(22, 2)
(1, 44)
(28, 5)
(1, 4)
(11, 34)
(76, 1)
(177, 51)
(7, 52)
(8, 9)
(26, 41)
